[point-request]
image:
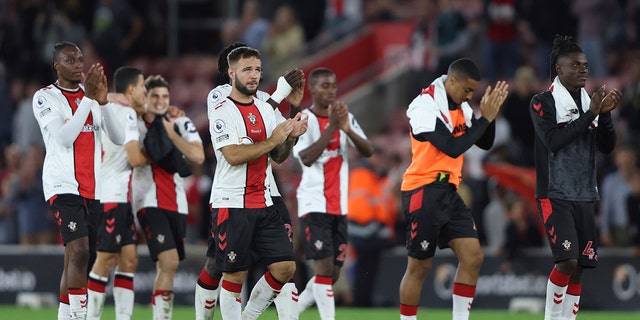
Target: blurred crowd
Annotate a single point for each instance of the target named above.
(508, 39)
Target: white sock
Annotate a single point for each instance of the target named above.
(462, 299)
(571, 303)
(262, 295)
(461, 307)
(306, 298)
(408, 317)
(323, 293)
(162, 304)
(63, 311)
(205, 302)
(287, 302)
(230, 302)
(96, 287)
(123, 295)
(556, 289)
(77, 303)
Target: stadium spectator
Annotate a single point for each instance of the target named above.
(570, 126)
(500, 51)
(254, 28)
(615, 188)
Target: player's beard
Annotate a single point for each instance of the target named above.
(243, 89)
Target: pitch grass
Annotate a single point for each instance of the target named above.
(179, 313)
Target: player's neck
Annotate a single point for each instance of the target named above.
(67, 84)
(239, 96)
(320, 111)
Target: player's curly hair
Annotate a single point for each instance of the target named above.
(156, 81)
(562, 46)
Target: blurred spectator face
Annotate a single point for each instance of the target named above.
(625, 160)
(158, 100)
(525, 79)
(284, 19)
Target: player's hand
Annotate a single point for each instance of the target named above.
(175, 112)
(299, 126)
(295, 97)
(95, 84)
(118, 98)
(343, 114)
(493, 99)
(596, 100)
(295, 78)
(610, 101)
(282, 131)
(168, 125)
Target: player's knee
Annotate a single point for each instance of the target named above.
(211, 270)
(129, 264)
(168, 264)
(476, 259)
(567, 266)
(79, 256)
(283, 271)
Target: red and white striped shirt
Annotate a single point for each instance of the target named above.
(154, 187)
(325, 184)
(73, 170)
(246, 185)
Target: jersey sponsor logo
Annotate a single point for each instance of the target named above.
(45, 112)
(221, 138)
(91, 128)
(73, 226)
(189, 127)
(566, 245)
(40, 101)
(219, 125)
(252, 119)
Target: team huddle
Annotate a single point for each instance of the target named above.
(110, 156)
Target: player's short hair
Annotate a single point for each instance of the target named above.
(58, 47)
(124, 77)
(156, 81)
(464, 69)
(317, 72)
(242, 53)
(562, 46)
(223, 63)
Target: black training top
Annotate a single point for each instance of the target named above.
(566, 152)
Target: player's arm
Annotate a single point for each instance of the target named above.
(485, 142)
(298, 127)
(135, 155)
(63, 132)
(352, 129)
(452, 146)
(237, 154)
(309, 155)
(556, 135)
(113, 124)
(192, 150)
(606, 137)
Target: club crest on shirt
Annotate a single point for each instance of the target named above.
(160, 238)
(319, 245)
(566, 245)
(118, 239)
(252, 119)
(424, 245)
(232, 256)
(78, 101)
(73, 226)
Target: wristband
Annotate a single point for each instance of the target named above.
(283, 89)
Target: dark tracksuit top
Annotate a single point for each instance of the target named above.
(566, 152)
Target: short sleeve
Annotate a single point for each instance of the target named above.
(131, 132)
(187, 129)
(45, 108)
(222, 128)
